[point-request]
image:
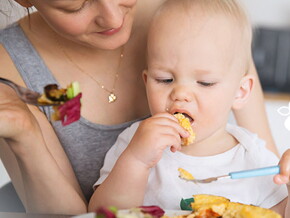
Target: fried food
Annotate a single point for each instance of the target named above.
(185, 123)
(210, 206)
(66, 102)
(185, 174)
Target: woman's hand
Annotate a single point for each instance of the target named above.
(153, 136)
(284, 176)
(16, 120)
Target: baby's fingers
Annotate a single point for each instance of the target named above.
(284, 176)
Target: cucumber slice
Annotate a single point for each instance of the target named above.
(69, 93)
(73, 90)
(76, 88)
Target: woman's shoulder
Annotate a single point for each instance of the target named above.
(12, 43)
(6, 63)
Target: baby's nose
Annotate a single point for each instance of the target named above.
(182, 93)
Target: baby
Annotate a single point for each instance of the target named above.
(199, 53)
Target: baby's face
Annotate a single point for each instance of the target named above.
(194, 67)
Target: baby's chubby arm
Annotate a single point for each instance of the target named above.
(284, 178)
(126, 184)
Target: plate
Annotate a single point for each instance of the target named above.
(87, 215)
(170, 213)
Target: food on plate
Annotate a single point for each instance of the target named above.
(185, 123)
(249, 211)
(210, 206)
(185, 174)
(66, 101)
(202, 206)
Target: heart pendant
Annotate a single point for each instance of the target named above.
(112, 98)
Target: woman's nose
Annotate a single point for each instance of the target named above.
(182, 93)
(110, 14)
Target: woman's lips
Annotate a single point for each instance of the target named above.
(110, 31)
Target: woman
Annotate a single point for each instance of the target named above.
(101, 44)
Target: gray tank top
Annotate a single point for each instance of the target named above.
(84, 142)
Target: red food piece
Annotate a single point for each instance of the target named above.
(70, 111)
(153, 210)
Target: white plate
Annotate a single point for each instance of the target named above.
(167, 213)
(87, 215)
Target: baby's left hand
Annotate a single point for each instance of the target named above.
(284, 176)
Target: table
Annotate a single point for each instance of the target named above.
(27, 215)
(272, 96)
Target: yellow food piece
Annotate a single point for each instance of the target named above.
(185, 174)
(239, 210)
(214, 203)
(206, 205)
(43, 99)
(184, 122)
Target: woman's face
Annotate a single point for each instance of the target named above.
(104, 24)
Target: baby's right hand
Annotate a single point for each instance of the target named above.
(16, 120)
(153, 136)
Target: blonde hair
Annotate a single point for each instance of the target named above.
(231, 8)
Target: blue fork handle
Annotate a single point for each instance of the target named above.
(255, 172)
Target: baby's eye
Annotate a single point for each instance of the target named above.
(207, 84)
(166, 81)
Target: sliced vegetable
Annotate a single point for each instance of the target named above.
(153, 210)
(70, 111)
(185, 204)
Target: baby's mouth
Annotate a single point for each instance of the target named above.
(191, 120)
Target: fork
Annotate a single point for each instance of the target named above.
(26, 95)
(240, 174)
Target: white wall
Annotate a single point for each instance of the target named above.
(10, 12)
(271, 13)
(280, 133)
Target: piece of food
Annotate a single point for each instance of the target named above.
(209, 206)
(185, 174)
(138, 212)
(185, 123)
(203, 206)
(239, 210)
(67, 102)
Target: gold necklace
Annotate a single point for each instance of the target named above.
(112, 96)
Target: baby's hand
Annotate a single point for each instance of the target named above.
(153, 136)
(284, 176)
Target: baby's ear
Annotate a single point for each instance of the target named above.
(24, 3)
(144, 75)
(244, 91)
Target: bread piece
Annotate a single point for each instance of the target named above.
(184, 122)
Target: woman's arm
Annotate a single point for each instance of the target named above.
(253, 115)
(33, 155)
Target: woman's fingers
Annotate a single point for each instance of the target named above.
(14, 114)
(284, 176)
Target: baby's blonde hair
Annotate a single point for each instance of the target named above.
(230, 8)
